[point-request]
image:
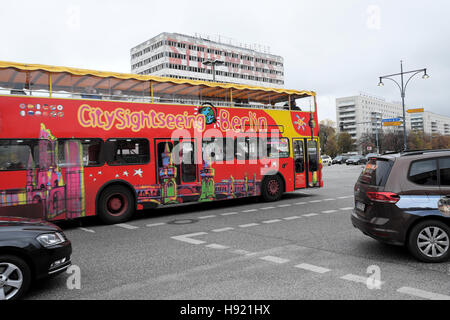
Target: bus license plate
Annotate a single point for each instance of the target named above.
(360, 206)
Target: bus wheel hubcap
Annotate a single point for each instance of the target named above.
(273, 187)
(116, 204)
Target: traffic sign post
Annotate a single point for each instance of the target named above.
(393, 122)
(417, 110)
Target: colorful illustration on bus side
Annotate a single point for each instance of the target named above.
(208, 190)
(50, 191)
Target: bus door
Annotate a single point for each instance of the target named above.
(299, 164)
(176, 170)
(312, 156)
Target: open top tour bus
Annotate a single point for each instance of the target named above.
(77, 143)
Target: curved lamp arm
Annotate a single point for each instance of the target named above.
(410, 79)
(398, 85)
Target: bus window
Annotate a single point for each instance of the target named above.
(127, 151)
(254, 147)
(16, 154)
(242, 149)
(248, 148)
(188, 166)
(312, 155)
(217, 149)
(277, 148)
(299, 157)
(92, 152)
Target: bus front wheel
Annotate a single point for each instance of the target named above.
(272, 188)
(116, 205)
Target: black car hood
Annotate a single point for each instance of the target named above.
(26, 224)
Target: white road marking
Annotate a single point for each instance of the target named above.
(346, 208)
(284, 205)
(315, 201)
(329, 199)
(207, 217)
(313, 268)
(342, 197)
(216, 246)
(250, 210)
(229, 213)
(299, 203)
(271, 221)
(126, 226)
(155, 224)
(310, 215)
(274, 259)
(187, 238)
(267, 208)
(239, 251)
(291, 218)
(423, 294)
(223, 229)
(329, 211)
(248, 225)
(361, 279)
(87, 230)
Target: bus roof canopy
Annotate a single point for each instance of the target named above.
(56, 79)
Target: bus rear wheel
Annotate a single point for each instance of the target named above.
(116, 205)
(272, 188)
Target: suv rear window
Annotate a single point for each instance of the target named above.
(376, 172)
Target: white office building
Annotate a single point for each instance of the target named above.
(180, 56)
(430, 123)
(363, 114)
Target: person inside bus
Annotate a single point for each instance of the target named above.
(294, 106)
(18, 89)
(90, 93)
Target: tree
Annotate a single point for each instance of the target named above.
(345, 142)
(326, 130)
(331, 147)
(327, 135)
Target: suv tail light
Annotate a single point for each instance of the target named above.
(387, 197)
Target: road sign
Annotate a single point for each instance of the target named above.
(391, 120)
(417, 110)
(392, 123)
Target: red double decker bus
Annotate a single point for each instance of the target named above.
(77, 143)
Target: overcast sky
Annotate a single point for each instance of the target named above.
(336, 48)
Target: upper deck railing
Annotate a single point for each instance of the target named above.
(63, 82)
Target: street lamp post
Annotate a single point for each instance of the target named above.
(402, 86)
(213, 64)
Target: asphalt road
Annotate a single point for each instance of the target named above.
(302, 247)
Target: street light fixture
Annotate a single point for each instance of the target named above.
(402, 87)
(213, 63)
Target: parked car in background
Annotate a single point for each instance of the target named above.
(340, 159)
(356, 160)
(403, 199)
(326, 160)
(29, 250)
(370, 155)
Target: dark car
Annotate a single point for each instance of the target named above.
(356, 160)
(403, 199)
(29, 250)
(340, 159)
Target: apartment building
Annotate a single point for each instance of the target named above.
(181, 56)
